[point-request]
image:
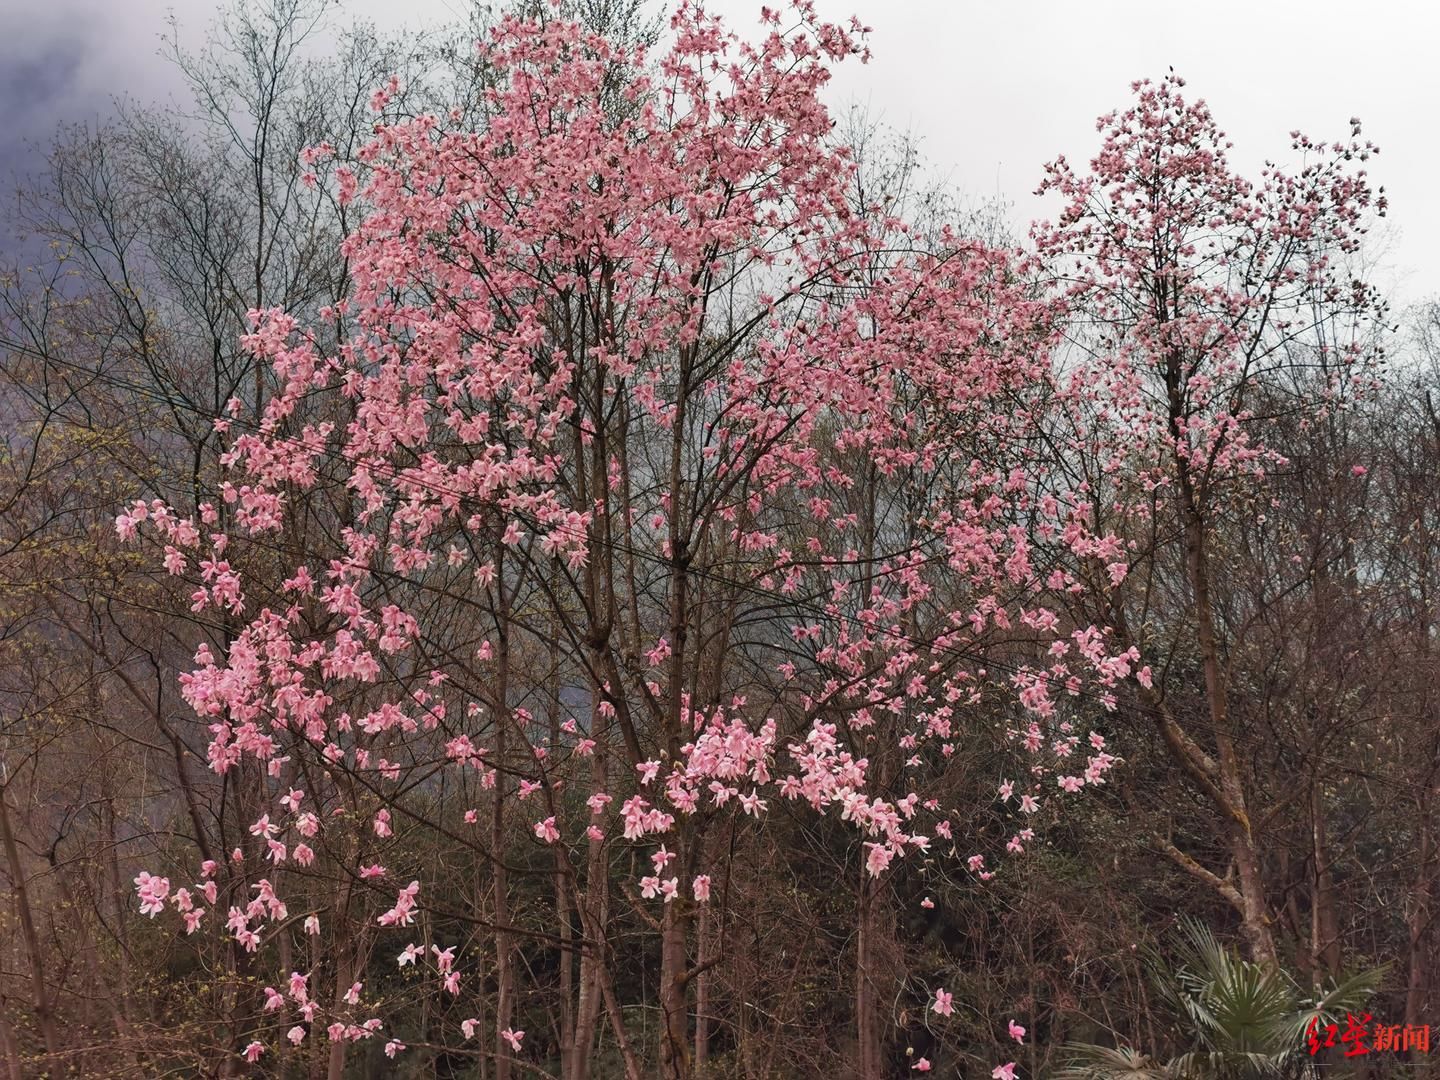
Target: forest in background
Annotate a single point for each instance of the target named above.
(855, 531)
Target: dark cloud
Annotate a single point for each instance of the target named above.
(30, 83)
(66, 61)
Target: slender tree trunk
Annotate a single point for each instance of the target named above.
(674, 999)
(1324, 923)
(44, 1016)
(867, 1019)
(593, 906)
(12, 1048)
(562, 902)
(617, 1027)
(504, 965)
(504, 969)
(702, 991)
(587, 1011)
(1255, 918)
(1417, 982)
(674, 989)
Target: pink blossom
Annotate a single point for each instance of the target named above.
(152, 891)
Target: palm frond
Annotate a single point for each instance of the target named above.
(1348, 994)
(1087, 1061)
(1238, 1020)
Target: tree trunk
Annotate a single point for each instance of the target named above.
(12, 1048)
(504, 961)
(1255, 918)
(43, 1014)
(674, 998)
(593, 905)
(1324, 924)
(867, 1019)
(1417, 983)
(702, 991)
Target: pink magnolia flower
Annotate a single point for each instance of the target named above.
(546, 830)
(878, 859)
(942, 1003)
(701, 887)
(152, 891)
(1003, 1072)
(253, 1051)
(514, 1038)
(1017, 1032)
(403, 913)
(921, 1065)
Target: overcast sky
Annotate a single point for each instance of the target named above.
(992, 89)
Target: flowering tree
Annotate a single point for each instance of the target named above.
(656, 482)
(1207, 310)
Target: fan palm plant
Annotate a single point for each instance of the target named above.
(1237, 1020)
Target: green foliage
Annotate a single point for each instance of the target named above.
(1237, 1020)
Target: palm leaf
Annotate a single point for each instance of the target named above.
(1088, 1061)
(1241, 1021)
(1346, 995)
